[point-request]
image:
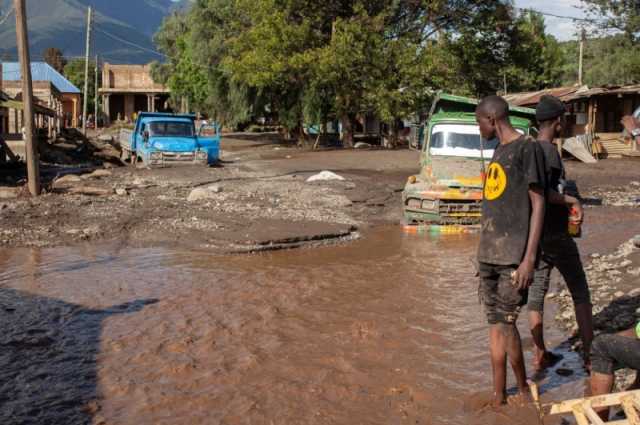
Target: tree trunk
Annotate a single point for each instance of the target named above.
(347, 131)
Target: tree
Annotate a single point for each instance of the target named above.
(616, 15)
(308, 62)
(74, 72)
(612, 60)
(55, 58)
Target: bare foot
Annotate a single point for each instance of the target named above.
(521, 399)
(499, 400)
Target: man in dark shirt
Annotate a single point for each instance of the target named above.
(512, 221)
(559, 250)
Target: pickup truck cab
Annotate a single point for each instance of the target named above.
(161, 140)
(447, 193)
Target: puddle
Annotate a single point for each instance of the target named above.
(384, 330)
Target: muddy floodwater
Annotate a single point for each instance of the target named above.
(385, 330)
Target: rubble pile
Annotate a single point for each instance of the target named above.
(625, 196)
(615, 294)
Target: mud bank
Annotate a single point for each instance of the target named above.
(257, 198)
(611, 257)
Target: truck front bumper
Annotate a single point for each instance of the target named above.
(167, 159)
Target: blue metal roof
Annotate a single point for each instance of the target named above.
(40, 71)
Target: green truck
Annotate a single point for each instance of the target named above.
(446, 196)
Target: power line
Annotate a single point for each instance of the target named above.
(553, 15)
(7, 16)
(115, 37)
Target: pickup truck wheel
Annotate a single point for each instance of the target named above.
(124, 155)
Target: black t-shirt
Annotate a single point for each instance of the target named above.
(556, 218)
(506, 207)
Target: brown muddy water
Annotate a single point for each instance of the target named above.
(386, 330)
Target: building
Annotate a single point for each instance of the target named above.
(50, 89)
(595, 112)
(129, 89)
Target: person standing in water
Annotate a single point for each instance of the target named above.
(559, 250)
(512, 222)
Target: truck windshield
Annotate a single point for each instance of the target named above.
(459, 140)
(171, 129)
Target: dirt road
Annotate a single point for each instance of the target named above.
(257, 197)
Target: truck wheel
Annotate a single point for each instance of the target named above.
(124, 155)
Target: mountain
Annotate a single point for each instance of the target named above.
(123, 29)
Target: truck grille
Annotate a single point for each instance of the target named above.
(178, 156)
(465, 211)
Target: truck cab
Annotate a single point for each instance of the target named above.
(447, 193)
(160, 140)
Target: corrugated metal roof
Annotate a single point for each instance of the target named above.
(40, 71)
(532, 98)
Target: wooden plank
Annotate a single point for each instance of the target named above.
(606, 400)
(578, 413)
(630, 411)
(591, 414)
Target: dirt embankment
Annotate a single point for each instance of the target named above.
(257, 198)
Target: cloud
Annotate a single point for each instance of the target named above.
(562, 29)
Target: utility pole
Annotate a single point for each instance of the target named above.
(95, 95)
(583, 38)
(31, 146)
(86, 74)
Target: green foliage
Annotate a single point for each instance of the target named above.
(74, 72)
(613, 60)
(296, 61)
(55, 58)
(616, 15)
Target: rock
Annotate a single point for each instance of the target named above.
(105, 138)
(68, 178)
(91, 191)
(9, 192)
(203, 193)
(121, 191)
(634, 292)
(626, 263)
(324, 176)
(362, 145)
(595, 255)
(215, 188)
(636, 241)
(618, 294)
(97, 174)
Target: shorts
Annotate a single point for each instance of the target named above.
(610, 352)
(501, 298)
(562, 253)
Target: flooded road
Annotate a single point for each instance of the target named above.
(385, 330)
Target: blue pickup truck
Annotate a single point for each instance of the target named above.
(162, 140)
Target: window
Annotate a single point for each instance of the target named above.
(171, 129)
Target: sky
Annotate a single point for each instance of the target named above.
(562, 29)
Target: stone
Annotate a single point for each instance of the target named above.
(121, 191)
(626, 263)
(8, 192)
(105, 138)
(618, 294)
(595, 255)
(215, 188)
(97, 174)
(204, 193)
(68, 178)
(325, 176)
(634, 292)
(362, 145)
(636, 241)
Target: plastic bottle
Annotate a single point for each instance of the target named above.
(575, 227)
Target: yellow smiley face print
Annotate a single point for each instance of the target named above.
(495, 182)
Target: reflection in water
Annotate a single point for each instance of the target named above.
(384, 330)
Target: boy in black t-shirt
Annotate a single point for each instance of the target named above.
(512, 219)
(559, 250)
